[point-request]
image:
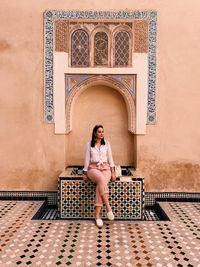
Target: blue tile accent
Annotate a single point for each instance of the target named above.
(48, 65)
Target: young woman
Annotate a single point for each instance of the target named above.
(99, 168)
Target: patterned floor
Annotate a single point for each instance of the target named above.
(26, 242)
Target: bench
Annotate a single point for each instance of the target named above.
(76, 198)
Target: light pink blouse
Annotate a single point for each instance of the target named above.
(95, 154)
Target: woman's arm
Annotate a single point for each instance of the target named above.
(111, 162)
(87, 158)
(110, 158)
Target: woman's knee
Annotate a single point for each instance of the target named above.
(102, 185)
(107, 175)
(96, 176)
(102, 188)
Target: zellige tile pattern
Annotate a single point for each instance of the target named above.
(27, 242)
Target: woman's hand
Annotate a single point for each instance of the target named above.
(113, 177)
(85, 178)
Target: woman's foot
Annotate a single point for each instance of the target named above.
(99, 222)
(110, 215)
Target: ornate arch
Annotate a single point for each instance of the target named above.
(103, 80)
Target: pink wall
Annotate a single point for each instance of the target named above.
(32, 156)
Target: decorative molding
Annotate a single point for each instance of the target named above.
(74, 80)
(129, 81)
(50, 16)
(114, 81)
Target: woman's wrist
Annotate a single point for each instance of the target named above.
(85, 173)
(112, 170)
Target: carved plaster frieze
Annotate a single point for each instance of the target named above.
(74, 80)
(140, 36)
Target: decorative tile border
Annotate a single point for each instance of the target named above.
(150, 197)
(51, 197)
(151, 111)
(51, 15)
(48, 71)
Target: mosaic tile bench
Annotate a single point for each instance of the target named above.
(76, 198)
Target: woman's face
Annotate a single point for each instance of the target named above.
(100, 133)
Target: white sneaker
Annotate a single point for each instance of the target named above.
(110, 215)
(99, 222)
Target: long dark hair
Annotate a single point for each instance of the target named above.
(93, 141)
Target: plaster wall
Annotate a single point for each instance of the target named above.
(100, 105)
(31, 155)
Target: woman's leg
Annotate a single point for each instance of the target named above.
(105, 197)
(106, 201)
(97, 212)
(101, 178)
(98, 203)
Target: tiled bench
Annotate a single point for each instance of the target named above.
(76, 198)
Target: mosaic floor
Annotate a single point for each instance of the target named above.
(26, 242)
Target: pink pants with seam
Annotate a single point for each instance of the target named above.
(101, 177)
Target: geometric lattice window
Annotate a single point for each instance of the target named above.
(101, 49)
(122, 48)
(80, 48)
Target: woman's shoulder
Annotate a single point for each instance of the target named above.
(106, 142)
(88, 144)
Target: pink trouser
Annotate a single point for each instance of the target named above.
(101, 177)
